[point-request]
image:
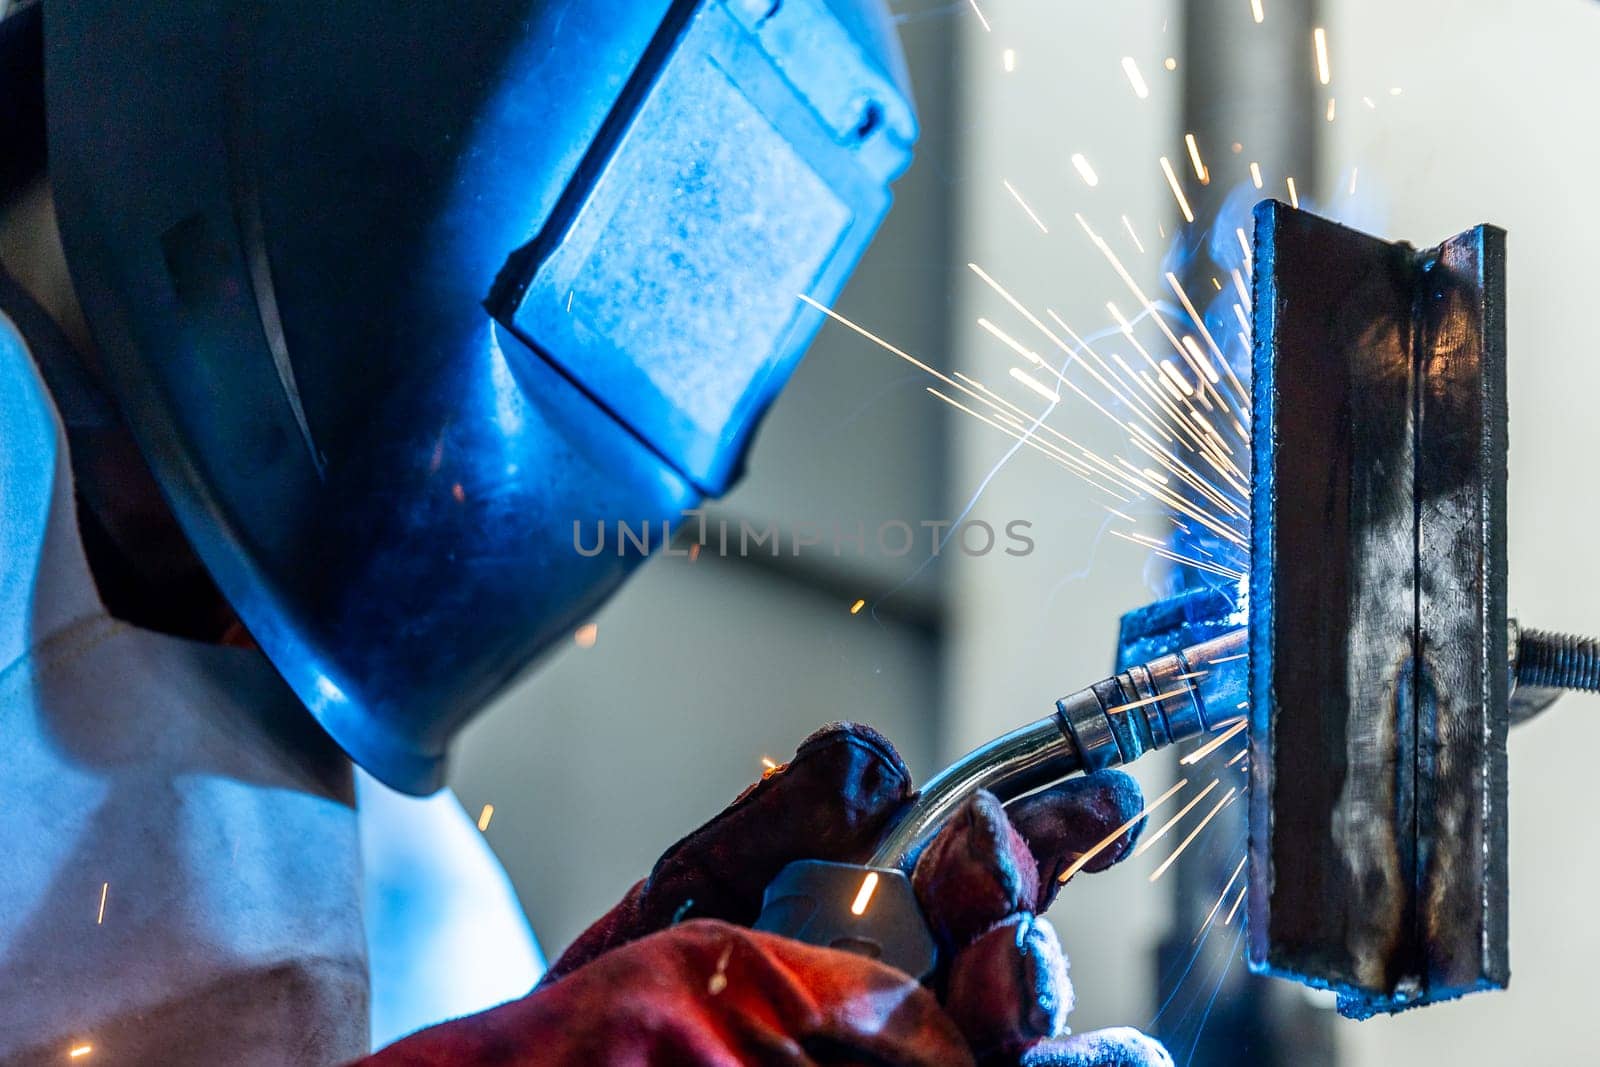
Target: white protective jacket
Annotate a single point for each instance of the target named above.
(181, 858)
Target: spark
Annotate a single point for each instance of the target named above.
(100, 917)
(1294, 196)
(1106, 842)
(1216, 284)
(719, 977)
(1229, 659)
(1086, 172)
(1037, 221)
(1244, 298)
(1241, 754)
(79, 1051)
(1135, 79)
(1144, 846)
(1319, 37)
(1395, 91)
(1354, 171)
(1256, 12)
(1237, 901)
(1191, 346)
(1037, 386)
(768, 764)
(1008, 60)
(1177, 190)
(1011, 342)
(1255, 173)
(484, 816)
(1200, 324)
(1177, 379)
(1372, 105)
(1331, 108)
(1182, 690)
(1120, 515)
(855, 609)
(586, 635)
(1165, 553)
(1171, 63)
(1244, 242)
(978, 11)
(1194, 158)
(1073, 466)
(1233, 791)
(1222, 896)
(869, 886)
(1136, 242)
(1215, 743)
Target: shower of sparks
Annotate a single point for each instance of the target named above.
(100, 916)
(1236, 902)
(1107, 841)
(1256, 12)
(1135, 79)
(1037, 386)
(1134, 236)
(1008, 60)
(869, 886)
(1215, 743)
(1166, 864)
(1145, 845)
(855, 609)
(1319, 37)
(1237, 756)
(1177, 190)
(1037, 221)
(978, 11)
(1212, 914)
(1255, 173)
(1294, 196)
(484, 816)
(1200, 170)
(1331, 109)
(1086, 172)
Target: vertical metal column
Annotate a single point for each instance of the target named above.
(1253, 84)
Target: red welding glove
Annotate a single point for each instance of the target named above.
(667, 976)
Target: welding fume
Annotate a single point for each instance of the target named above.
(325, 331)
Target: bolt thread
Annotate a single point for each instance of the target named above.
(1558, 661)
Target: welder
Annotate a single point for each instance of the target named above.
(319, 328)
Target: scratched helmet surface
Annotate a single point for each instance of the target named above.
(393, 294)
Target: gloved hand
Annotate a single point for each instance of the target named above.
(669, 975)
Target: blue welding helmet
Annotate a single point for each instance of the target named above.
(394, 295)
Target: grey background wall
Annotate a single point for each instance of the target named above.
(609, 753)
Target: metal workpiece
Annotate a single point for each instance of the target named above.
(1378, 641)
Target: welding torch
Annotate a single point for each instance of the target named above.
(871, 909)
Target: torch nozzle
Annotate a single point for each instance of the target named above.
(1112, 722)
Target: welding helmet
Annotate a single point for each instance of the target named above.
(393, 296)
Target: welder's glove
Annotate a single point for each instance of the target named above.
(667, 976)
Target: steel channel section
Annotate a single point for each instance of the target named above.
(1377, 638)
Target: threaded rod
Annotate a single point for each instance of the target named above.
(1558, 661)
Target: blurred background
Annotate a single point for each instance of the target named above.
(1437, 115)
